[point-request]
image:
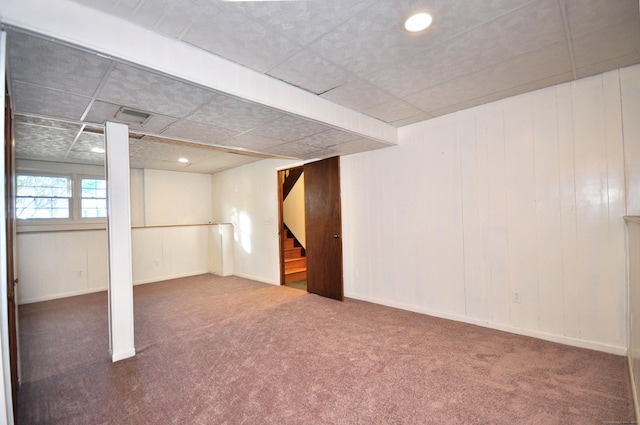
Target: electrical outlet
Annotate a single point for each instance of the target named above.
(515, 297)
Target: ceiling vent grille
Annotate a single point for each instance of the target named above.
(132, 116)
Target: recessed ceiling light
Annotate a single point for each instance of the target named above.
(418, 22)
(97, 150)
(183, 160)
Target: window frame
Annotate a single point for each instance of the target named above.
(75, 201)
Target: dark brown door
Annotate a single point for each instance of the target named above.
(323, 217)
(10, 227)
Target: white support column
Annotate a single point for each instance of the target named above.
(119, 237)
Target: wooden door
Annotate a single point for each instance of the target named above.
(323, 216)
(10, 228)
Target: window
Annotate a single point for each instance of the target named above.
(55, 197)
(43, 197)
(94, 198)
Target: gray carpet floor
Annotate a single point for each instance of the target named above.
(214, 350)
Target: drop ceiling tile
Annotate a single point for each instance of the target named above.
(293, 150)
(103, 111)
(521, 31)
(527, 68)
(375, 39)
(104, 5)
(289, 128)
(42, 143)
(231, 35)
(251, 142)
(303, 21)
(358, 95)
(372, 40)
(81, 150)
(412, 120)
(125, 8)
(310, 72)
(197, 132)
(148, 91)
(608, 44)
(147, 13)
(620, 62)
(53, 65)
(45, 123)
(36, 100)
(228, 112)
(150, 148)
(329, 138)
(395, 110)
(499, 95)
(216, 164)
(157, 164)
(361, 144)
(587, 16)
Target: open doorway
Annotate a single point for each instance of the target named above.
(293, 261)
(321, 212)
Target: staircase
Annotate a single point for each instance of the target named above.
(295, 262)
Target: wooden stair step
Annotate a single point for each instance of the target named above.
(293, 275)
(295, 264)
(292, 253)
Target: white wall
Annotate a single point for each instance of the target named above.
(293, 211)
(172, 197)
(247, 197)
(54, 264)
(507, 215)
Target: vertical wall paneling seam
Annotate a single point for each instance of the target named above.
(460, 139)
(624, 154)
(562, 253)
(506, 201)
(575, 186)
(536, 202)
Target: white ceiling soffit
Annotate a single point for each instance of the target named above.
(114, 37)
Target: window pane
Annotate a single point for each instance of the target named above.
(94, 194)
(37, 207)
(94, 188)
(43, 197)
(43, 186)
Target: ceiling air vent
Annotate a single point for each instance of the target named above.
(132, 116)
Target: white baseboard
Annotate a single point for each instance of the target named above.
(561, 339)
(257, 278)
(61, 295)
(92, 290)
(174, 276)
(116, 357)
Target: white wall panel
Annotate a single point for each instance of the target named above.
(161, 253)
(58, 264)
(510, 215)
(247, 197)
(548, 210)
(172, 197)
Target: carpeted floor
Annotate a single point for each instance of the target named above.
(214, 350)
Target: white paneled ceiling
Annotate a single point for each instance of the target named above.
(354, 53)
